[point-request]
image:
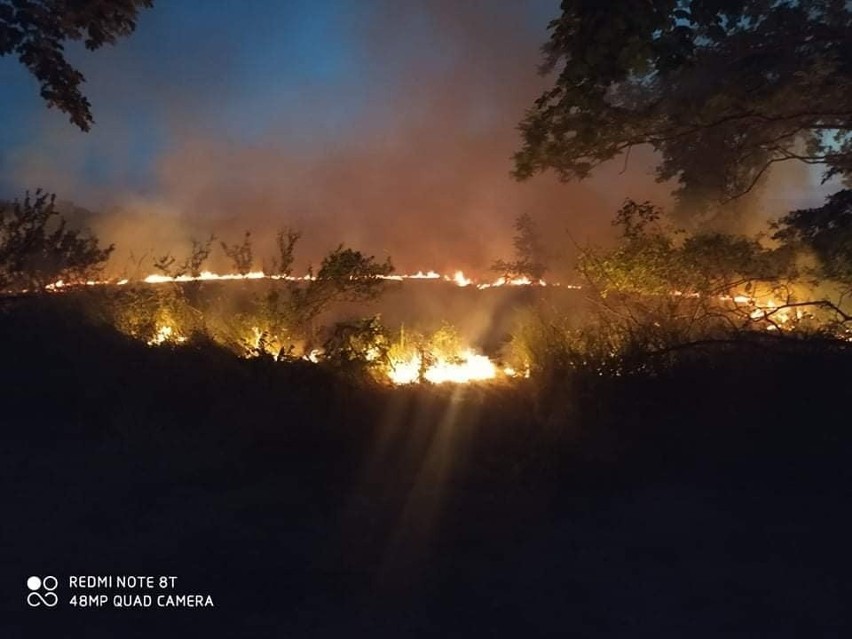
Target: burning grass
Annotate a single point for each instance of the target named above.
(316, 320)
(284, 318)
(655, 293)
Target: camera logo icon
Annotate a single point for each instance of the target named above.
(41, 592)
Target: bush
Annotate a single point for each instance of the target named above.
(660, 295)
(37, 248)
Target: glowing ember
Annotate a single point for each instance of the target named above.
(766, 310)
(468, 366)
(770, 310)
(165, 334)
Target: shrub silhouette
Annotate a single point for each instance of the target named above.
(38, 248)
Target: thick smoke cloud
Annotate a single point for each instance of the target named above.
(421, 172)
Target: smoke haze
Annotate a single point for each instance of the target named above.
(388, 126)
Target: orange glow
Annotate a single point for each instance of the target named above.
(165, 335)
(468, 366)
(458, 278)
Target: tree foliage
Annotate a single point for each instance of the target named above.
(530, 259)
(654, 259)
(241, 255)
(38, 248)
(721, 89)
(345, 275)
(289, 311)
(660, 290)
(661, 294)
(192, 265)
(357, 347)
(827, 231)
(285, 245)
(350, 275)
(36, 32)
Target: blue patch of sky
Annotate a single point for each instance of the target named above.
(302, 70)
(236, 68)
(285, 56)
(18, 96)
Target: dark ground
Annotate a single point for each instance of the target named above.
(709, 502)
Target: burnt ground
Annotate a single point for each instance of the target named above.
(709, 501)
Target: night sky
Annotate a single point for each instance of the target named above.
(242, 70)
(365, 122)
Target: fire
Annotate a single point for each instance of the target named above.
(165, 334)
(420, 275)
(443, 364)
(467, 366)
(439, 358)
(768, 309)
(461, 280)
(457, 365)
(207, 276)
(458, 278)
(511, 371)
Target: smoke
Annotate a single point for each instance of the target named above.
(409, 158)
(399, 147)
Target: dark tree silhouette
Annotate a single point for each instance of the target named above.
(827, 231)
(36, 32)
(530, 258)
(721, 89)
(241, 255)
(285, 243)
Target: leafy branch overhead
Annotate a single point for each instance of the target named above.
(36, 31)
(721, 89)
